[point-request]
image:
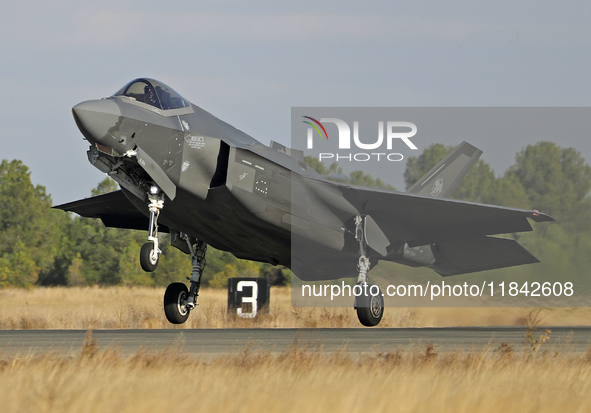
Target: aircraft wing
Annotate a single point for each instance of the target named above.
(422, 220)
(454, 234)
(113, 208)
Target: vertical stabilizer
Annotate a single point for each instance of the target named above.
(444, 177)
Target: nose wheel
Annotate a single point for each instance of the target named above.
(148, 257)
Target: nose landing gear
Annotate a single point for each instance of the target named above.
(150, 252)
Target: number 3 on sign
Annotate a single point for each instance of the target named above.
(252, 299)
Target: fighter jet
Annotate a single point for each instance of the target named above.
(183, 171)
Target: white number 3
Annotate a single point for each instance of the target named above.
(252, 299)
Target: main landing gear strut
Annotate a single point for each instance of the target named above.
(370, 304)
(178, 300)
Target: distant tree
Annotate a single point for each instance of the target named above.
(27, 227)
(238, 268)
(334, 168)
(105, 186)
(479, 185)
(315, 164)
(173, 266)
(360, 178)
(130, 270)
(555, 179)
(92, 254)
(506, 191)
(74, 276)
(276, 274)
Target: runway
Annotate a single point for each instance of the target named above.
(211, 342)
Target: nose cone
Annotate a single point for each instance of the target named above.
(95, 119)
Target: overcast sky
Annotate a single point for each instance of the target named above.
(250, 62)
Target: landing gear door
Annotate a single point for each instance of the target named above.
(375, 237)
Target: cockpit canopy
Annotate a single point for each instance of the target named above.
(153, 93)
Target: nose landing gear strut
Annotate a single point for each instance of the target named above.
(150, 252)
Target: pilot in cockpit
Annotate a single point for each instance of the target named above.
(149, 96)
(164, 97)
(153, 93)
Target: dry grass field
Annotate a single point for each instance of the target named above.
(301, 379)
(124, 307)
(298, 380)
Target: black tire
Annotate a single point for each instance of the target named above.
(174, 295)
(148, 257)
(370, 309)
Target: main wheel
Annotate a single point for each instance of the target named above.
(148, 257)
(175, 297)
(370, 309)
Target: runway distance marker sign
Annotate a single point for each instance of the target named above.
(248, 296)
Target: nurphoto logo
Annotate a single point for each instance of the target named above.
(393, 130)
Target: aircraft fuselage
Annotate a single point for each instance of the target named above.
(221, 185)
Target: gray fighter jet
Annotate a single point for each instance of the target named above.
(182, 170)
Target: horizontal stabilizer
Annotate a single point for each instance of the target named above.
(114, 209)
(445, 177)
(480, 254)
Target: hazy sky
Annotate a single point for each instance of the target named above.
(250, 62)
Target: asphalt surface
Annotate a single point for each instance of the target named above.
(211, 342)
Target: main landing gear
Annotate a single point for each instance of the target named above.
(370, 304)
(150, 252)
(178, 300)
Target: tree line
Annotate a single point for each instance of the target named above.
(43, 246)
